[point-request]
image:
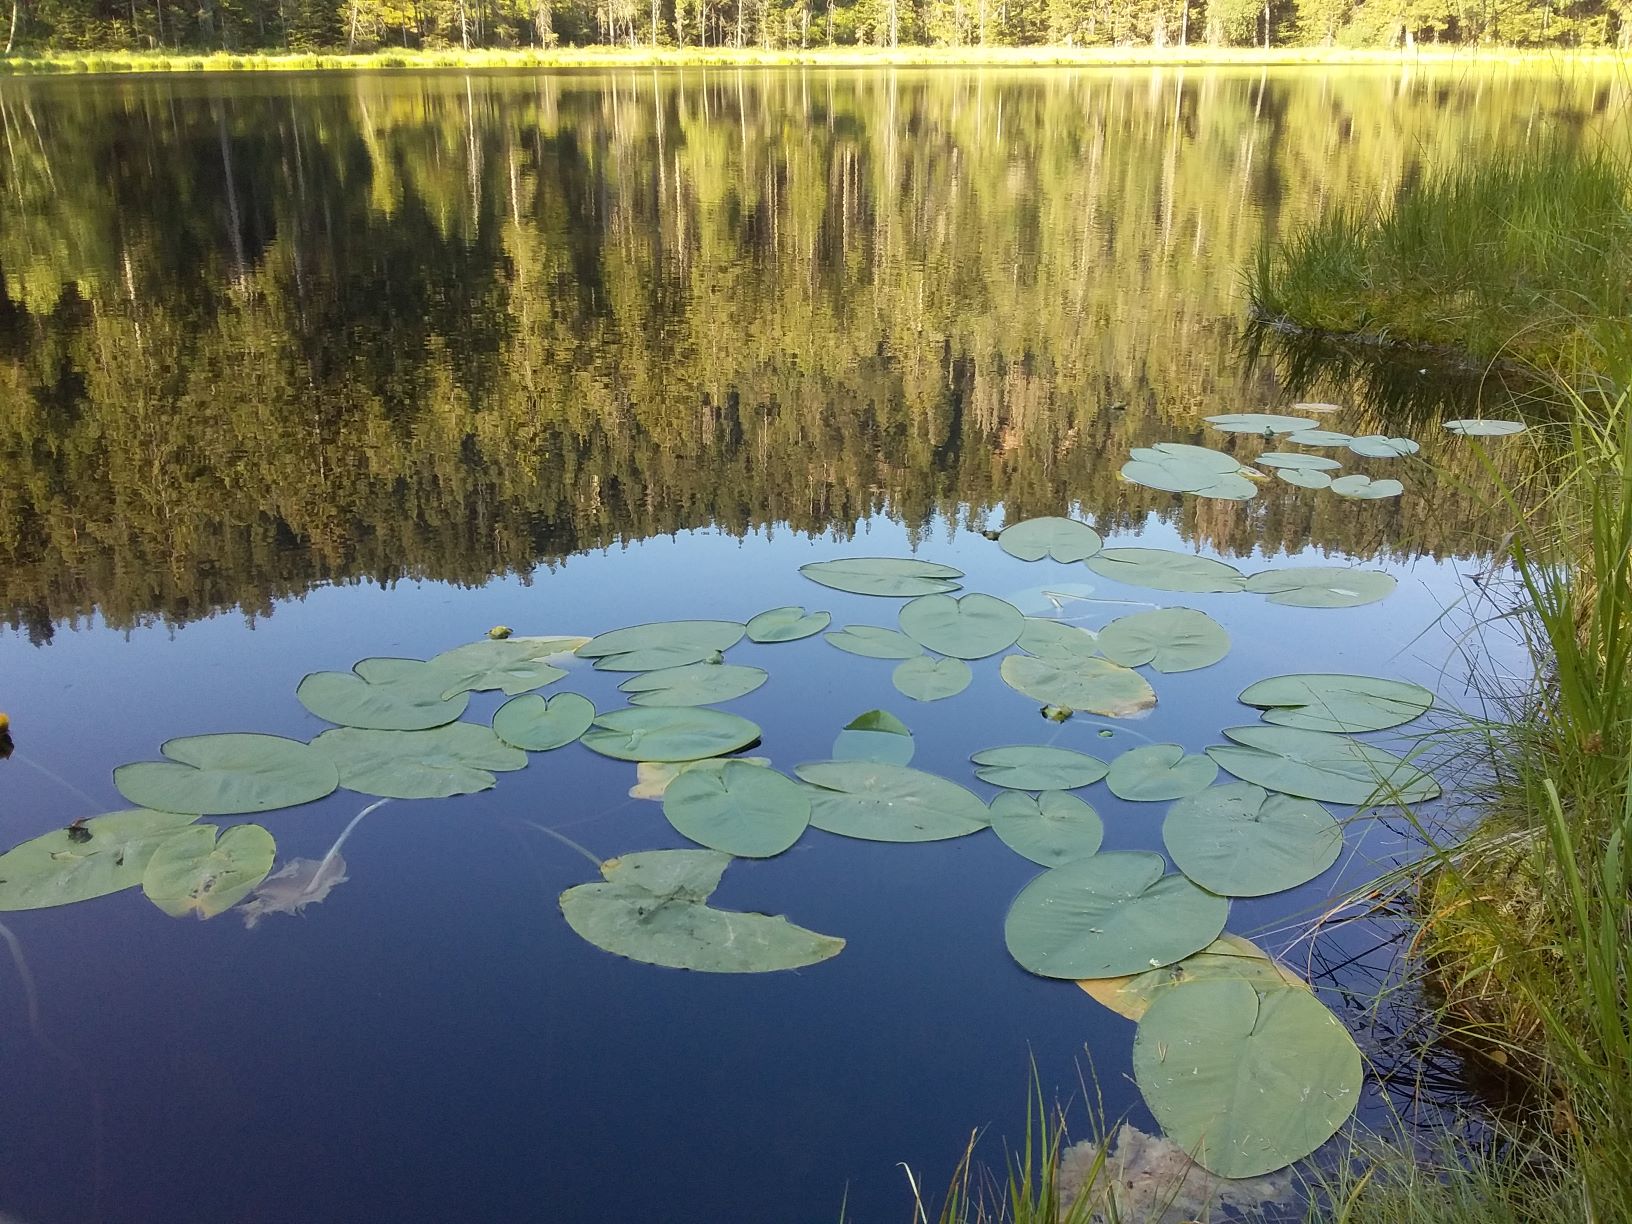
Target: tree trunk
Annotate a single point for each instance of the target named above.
(654, 20)
(464, 29)
(11, 37)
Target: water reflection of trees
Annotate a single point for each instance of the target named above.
(259, 335)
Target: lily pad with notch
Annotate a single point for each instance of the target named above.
(458, 759)
(874, 642)
(967, 627)
(789, 624)
(744, 810)
(192, 872)
(693, 684)
(1169, 639)
(1052, 828)
(1229, 956)
(1319, 438)
(1051, 639)
(661, 644)
(538, 725)
(227, 775)
(1259, 422)
(1238, 840)
(384, 695)
(668, 733)
(87, 859)
(1485, 428)
(927, 679)
(1037, 767)
(1305, 479)
(876, 801)
(1063, 539)
(1162, 569)
(876, 735)
(511, 665)
(1322, 586)
(1296, 461)
(1096, 685)
(1156, 772)
(891, 577)
(1329, 702)
(1380, 446)
(1364, 488)
(1320, 765)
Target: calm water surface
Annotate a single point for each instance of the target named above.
(298, 370)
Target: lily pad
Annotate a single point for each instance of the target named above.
(510, 665)
(1320, 765)
(383, 694)
(1322, 586)
(1305, 479)
(1238, 840)
(1169, 639)
(873, 642)
(1048, 639)
(1038, 767)
(745, 810)
(1095, 685)
(1246, 1083)
(1173, 467)
(876, 735)
(967, 627)
(225, 775)
(668, 733)
(894, 577)
(890, 803)
(1364, 488)
(661, 644)
(1052, 828)
(652, 778)
(1319, 437)
(1110, 914)
(531, 722)
(1296, 461)
(101, 856)
(458, 759)
(693, 684)
(926, 679)
(1228, 956)
(1485, 429)
(654, 908)
(1259, 422)
(1161, 569)
(1063, 539)
(787, 625)
(1321, 702)
(1378, 446)
(191, 872)
(1156, 772)
(1321, 409)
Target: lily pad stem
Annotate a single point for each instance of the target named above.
(564, 840)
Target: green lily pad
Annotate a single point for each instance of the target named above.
(693, 684)
(1305, 479)
(1161, 569)
(1169, 639)
(876, 735)
(227, 775)
(1238, 840)
(1038, 767)
(1173, 467)
(458, 759)
(1364, 488)
(787, 625)
(531, 722)
(1296, 461)
(1157, 772)
(926, 679)
(101, 856)
(1063, 539)
(652, 778)
(661, 644)
(1259, 422)
(1377, 446)
(1245, 1083)
(1485, 429)
(1319, 437)
(668, 733)
(1109, 914)
(873, 642)
(1228, 957)
(191, 872)
(1095, 685)
(745, 810)
(1052, 828)
(1320, 765)
(894, 577)
(510, 665)
(1320, 702)
(384, 694)
(890, 803)
(967, 627)
(654, 908)
(1322, 586)
(1048, 639)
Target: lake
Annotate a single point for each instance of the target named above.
(301, 370)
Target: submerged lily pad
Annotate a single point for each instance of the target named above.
(1364, 488)
(926, 679)
(966, 627)
(668, 733)
(1045, 600)
(1246, 1083)
(693, 684)
(1321, 702)
(1048, 639)
(1238, 840)
(1378, 446)
(1320, 765)
(1322, 586)
(894, 577)
(294, 886)
(661, 644)
(1485, 429)
(510, 665)
(1156, 772)
(531, 722)
(193, 873)
(787, 625)
(1109, 914)
(1052, 828)
(101, 856)
(1063, 539)
(1296, 461)
(1169, 639)
(654, 908)
(1259, 422)
(876, 735)
(1038, 767)
(227, 775)
(383, 694)
(874, 642)
(890, 803)
(1228, 956)
(745, 810)
(458, 759)
(1319, 437)
(1305, 479)
(1095, 685)
(1161, 569)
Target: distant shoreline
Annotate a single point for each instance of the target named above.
(133, 62)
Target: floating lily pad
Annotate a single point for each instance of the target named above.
(1320, 765)
(1063, 539)
(1364, 488)
(926, 679)
(966, 627)
(694, 684)
(1038, 767)
(876, 735)
(458, 759)
(101, 856)
(787, 625)
(383, 694)
(1169, 639)
(1156, 772)
(1046, 600)
(510, 665)
(1295, 461)
(654, 908)
(1321, 702)
(661, 644)
(890, 803)
(894, 577)
(225, 775)
(1109, 914)
(531, 722)
(1485, 429)
(1052, 828)
(1228, 956)
(873, 642)
(1238, 840)
(1161, 569)
(668, 733)
(1095, 685)
(191, 872)
(652, 778)
(1320, 409)
(1322, 586)
(1305, 479)
(1246, 1083)
(1055, 640)
(1173, 467)
(745, 810)
(1377, 446)
(1319, 437)
(1259, 422)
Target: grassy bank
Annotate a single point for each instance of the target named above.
(832, 57)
